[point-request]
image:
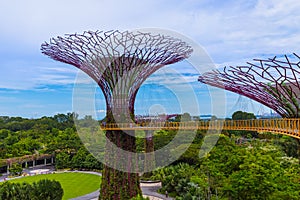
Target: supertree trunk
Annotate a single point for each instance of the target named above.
(119, 62)
(117, 184)
(119, 181)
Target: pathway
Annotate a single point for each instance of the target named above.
(148, 190)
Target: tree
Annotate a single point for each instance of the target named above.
(92, 163)
(254, 178)
(47, 189)
(16, 169)
(4, 133)
(10, 191)
(186, 117)
(78, 160)
(43, 189)
(289, 145)
(190, 156)
(240, 115)
(62, 160)
(170, 177)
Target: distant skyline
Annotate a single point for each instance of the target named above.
(232, 33)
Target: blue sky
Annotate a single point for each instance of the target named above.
(232, 32)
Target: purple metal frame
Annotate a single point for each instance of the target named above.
(272, 82)
(117, 60)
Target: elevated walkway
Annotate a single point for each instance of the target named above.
(285, 126)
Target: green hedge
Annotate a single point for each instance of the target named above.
(44, 189)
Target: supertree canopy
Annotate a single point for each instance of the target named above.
(119, 62)
(273, 82)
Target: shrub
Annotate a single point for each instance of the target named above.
(43, 189)
(47, 190)
(139, 197)
(16, 169)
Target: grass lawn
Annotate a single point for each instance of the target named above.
(74, 184)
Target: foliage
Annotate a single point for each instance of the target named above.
(288, 145)
(20, 137)
(240, 115)
(261, 176)
(256, 170)
(190, 156)
(15, 169)
(173, 178)
(42, 189)
(265, 168)
(139, 197)
(73, 184)
(82, 159)
(62, 160)
(185, 117)
(15, 191)
(48, 190)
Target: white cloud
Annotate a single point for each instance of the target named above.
(208, 22)
(238, 33)
(24, 75)
(229, 31)
(232, 32)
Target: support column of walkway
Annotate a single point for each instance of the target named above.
(149, 152)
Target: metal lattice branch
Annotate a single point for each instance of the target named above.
(272, 82)
(117, 60)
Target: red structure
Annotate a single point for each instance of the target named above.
(119, 62)
(273, 82)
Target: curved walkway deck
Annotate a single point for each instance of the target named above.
(148, 190)
(284, 126)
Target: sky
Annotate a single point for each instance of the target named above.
(231, 33)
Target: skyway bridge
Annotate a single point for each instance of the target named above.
(284, 126)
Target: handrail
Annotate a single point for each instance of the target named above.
(285, 126)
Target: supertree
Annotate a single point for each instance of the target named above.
(272, 82)
(119, 62)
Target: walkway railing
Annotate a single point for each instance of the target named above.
(285, 126)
